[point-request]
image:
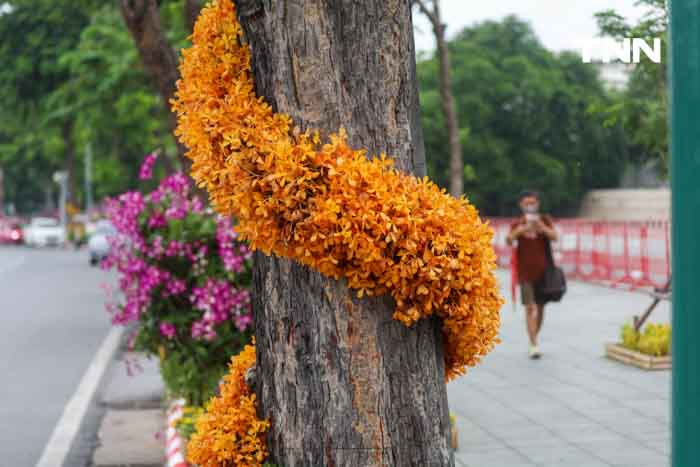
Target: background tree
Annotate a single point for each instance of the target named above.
(33, 37)
(642, 108)
(158, 55)
(72, 75)
(527, 114)
(119, 114)
(456, 174)
(344, 384)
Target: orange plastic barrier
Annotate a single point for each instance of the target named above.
(619, 254)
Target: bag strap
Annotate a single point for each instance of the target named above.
(548, 251)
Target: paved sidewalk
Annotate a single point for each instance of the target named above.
(131, 432)
(573, 407)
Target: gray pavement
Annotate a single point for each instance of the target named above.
(133, 382)
(52, 321)
(130, 438)
(573, 407)
(131, 432)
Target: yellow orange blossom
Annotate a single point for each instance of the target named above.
(329, 207)
(229, 433)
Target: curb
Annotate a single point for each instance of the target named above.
(67, 428)
(174, 444)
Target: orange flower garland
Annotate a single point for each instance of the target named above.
(229, 433)
(327, 206)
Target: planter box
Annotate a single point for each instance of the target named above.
(638, 359)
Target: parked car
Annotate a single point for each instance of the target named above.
(98, 243)
(15, 234)
(10, 232)
(44, 231)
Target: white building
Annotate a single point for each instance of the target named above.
(615, 75)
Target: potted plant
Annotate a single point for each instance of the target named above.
(650, 349)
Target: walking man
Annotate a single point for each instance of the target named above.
(532, 232)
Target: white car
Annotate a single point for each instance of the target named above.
(44, 231)
(98, 243)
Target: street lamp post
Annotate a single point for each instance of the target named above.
(2, 193)
(61, 178)
(88, 179)
(684, 73)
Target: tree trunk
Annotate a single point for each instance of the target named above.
(344, 384)
(192, 9)
(448, 105)
(142, 18)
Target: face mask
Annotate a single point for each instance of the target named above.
(531, 209)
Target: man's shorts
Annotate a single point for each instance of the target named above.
(528, 294)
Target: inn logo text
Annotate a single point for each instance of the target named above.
(628, 50)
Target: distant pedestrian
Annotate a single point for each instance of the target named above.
(532, 231)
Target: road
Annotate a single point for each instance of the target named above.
(52, 321)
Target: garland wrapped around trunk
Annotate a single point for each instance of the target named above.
(327, 206)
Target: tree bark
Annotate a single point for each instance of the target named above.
(448, 108)
(192, 9)
(142, 18)
(343, 383)
(456, 179)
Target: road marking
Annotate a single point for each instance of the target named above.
(68, 425)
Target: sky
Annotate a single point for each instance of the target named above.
(560, 24)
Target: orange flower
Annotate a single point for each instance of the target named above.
(229, 433)
(328, 206)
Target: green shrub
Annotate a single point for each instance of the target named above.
(655, 340)
(185, 425)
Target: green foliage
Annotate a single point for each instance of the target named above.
(118, 111)
(642, 109)
(524, 120)
(192, 370)
(73, 63)
(655, 340)
(185, 425)
(33, 37)
(629, 336)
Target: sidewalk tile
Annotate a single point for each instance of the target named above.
(572, 407)
(129, 438)
(495, 458)
(142, 390)
(559, 454)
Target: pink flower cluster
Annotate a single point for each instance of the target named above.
(162, 270)
(146, 171)
(219, 302)
(124, 214)
(168, 330)
(233, 254)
